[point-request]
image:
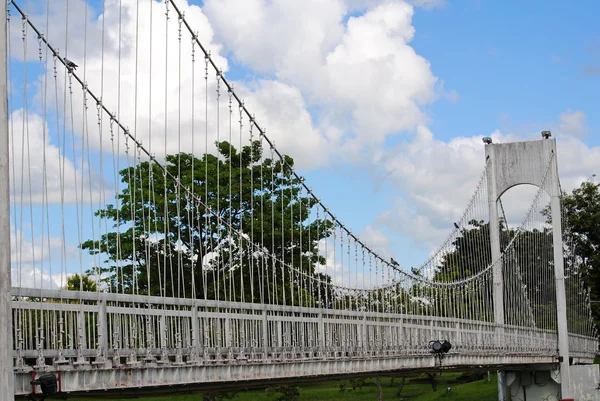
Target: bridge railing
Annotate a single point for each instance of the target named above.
(53, 326)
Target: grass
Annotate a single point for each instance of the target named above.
(415, 389)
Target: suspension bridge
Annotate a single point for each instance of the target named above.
(158, 237)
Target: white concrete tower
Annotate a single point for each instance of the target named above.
(509, 165)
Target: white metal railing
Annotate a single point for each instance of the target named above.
(53, 326)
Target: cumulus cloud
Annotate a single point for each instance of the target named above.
(36, 259)
(376, 240)
(41, 171)
(347, 264)
(349, 63)
(360, 72)
(438, 178)
(349, 273)
(30, 276)
(573, 123)
(153, 80)
(282, 109)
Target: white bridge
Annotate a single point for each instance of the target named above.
(185, 263)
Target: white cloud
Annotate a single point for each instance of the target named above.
(29, 276)
(41, 169)
(576, 161)
(377, 76)
(36, 259)
(145, 78)
(358, 70)
(428, 3)
(437, 179)
(573, 123)
(278, 36)
(351, 266)
(376, 240)
(355, 71)
(362, 74)
(282, 109)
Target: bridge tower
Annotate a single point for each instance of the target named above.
(6, 346)
(509, 165)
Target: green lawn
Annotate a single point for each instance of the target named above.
(415, 389)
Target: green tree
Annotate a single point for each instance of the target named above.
(83, 282)
(284, 393)
(470, 255)
(581, 214)
(527, 265)
(177, 231)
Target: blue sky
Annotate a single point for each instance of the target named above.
(381, 103)
(513, 64)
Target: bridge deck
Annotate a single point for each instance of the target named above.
(98, 341)
(231, 374)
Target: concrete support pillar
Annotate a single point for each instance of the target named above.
(512, 164)
(561, 298)
(493, 196)
(502, 390)
(6, 345)
(498, 279)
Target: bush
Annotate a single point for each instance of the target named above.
(469, 377)
(284, 393)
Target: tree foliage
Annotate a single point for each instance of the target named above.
(581, 211)
(284, 393)
(529, 263)
(527, 268)
(223, 226)
(83, 282)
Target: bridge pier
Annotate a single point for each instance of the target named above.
(534, 385)
(546, 384)
(502, 388)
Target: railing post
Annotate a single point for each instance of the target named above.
(265, 332)
(116, 335)
(279, 334)
(206, 337)
(164, 357)
(458, 340)
(321, 335)
(81, 339)
(39, 344)
(195, 351)
(363, 334)
(228, 338)
(6, 324)
(228, 332)
(102, 351)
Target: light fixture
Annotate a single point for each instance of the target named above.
(546, 134)
(487, 140)
(439, 347)
(48, 384)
